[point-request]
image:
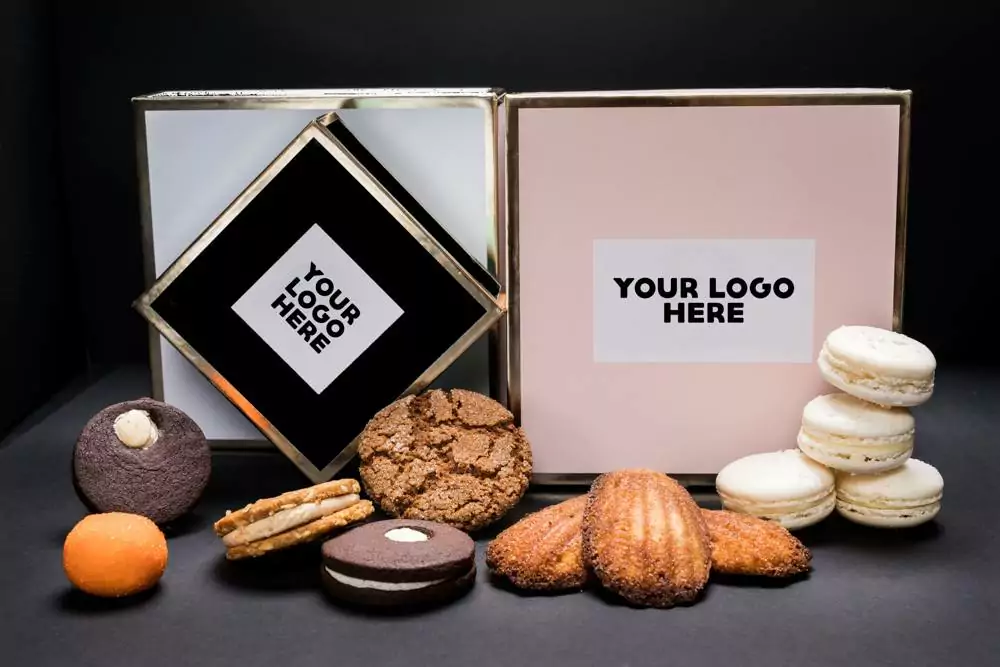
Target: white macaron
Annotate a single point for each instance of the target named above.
(878, 366)
(905, 496)
(787, 487)
(846, 433)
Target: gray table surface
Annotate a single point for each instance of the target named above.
(926, 596)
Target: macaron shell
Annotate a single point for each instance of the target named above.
(846, 415)
(881, 351)
(881, 390)
(913, 484)
(790, 515)
(887, 518)
(808, 517)
(786, 475)
(855, 455)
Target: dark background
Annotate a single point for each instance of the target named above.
(70, 239)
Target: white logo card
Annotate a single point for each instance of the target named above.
(317, 309)
(704, 301)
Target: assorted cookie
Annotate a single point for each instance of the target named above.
(903, 497)
(878, 366)
(447, 463)
(454, 457)
(644, 542)
(399, 563)
(845, 433)
(142, 457)
(745, 545)
(644, 538)
(787, 487)
(855, 444)
(293, 518)
(544, 550)
(114, 554)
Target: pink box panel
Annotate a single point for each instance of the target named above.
(823, 173)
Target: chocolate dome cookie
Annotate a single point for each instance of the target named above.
(399, 562)
(448, 456)
(142, 457)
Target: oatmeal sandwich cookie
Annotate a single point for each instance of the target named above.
(292, 518)
(455, 457)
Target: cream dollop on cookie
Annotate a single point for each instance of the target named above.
(135, 429)
(406, 535)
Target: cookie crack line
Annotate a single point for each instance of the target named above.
(445, 455)
(456, 404)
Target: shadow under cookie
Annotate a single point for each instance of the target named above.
(748, 581)
(612, 599)
(75, 601)
(291, 569)
(504, 584)
(845, 534)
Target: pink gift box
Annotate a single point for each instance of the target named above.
(676, 258)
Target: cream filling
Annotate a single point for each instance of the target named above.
(853, 448)
(136, 429)
(852, 375)
(889, 512)
(354, 582)
(406, 535)
(887, 504)
(776, 508)
(292, 517)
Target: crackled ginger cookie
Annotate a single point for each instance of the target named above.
(449, 456)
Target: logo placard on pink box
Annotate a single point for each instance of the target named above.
(677, 258)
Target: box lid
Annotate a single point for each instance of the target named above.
(320, 295)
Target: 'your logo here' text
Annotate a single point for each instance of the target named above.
(315, 308)
(703, 300)
(720, 302)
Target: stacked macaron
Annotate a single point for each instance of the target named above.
(854, 446)
(866, 434)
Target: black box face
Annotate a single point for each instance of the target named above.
(317, 305)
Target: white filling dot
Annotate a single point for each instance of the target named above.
(135, 429)
(407, 535)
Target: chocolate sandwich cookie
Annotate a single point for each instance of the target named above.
(141, 457)
(399, 562)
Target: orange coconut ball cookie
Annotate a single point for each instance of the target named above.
(114, 554)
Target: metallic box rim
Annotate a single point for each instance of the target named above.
(316, 131)
(513, 102)
(322, 100)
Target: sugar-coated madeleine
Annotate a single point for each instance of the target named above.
(745, 545)
(544, 550)
(645, 539)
